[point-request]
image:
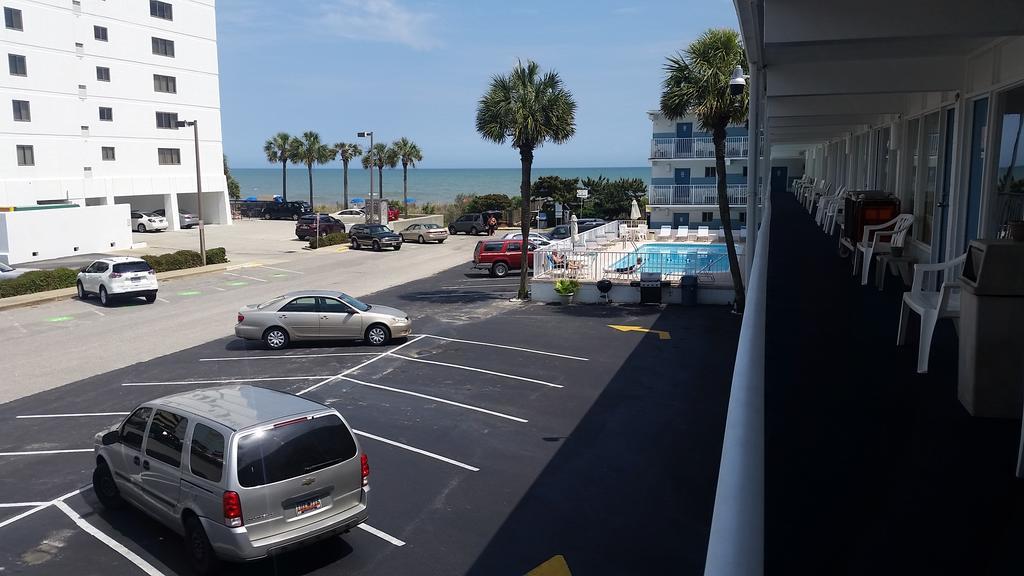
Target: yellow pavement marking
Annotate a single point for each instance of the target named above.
(555, 566)
(663, 335)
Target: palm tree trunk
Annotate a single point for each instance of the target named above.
(526, 157)
(284, 180)
(380, 182)
(723, 210)
(344, 170)
(405, 189)
(310, 168)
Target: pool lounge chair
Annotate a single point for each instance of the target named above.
(714, 235)
(624, 272)
(702, 234)
(665, 233)
(682, 233)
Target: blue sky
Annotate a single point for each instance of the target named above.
(417, 69)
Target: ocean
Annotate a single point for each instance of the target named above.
(432, 185)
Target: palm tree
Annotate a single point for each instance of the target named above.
(347, 152)
(381, 156)
(276, 148)
(408, 154)
(310, 150)
(529, 108)
(697, 83)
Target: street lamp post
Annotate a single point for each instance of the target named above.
(370, 217)
(199, 188)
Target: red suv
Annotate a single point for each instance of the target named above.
(500, 256)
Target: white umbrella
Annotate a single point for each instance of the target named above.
(574, 230)
(634, 210)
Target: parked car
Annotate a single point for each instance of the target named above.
(10, 273)
(536, 238)
(148, 222)
(306, 227)
(584, 224)
(121, 277)
(472, 223)
(424, 233)
(500, 256)
(560, 232)
(241, 472)
(394, 213)
(320, 315)
(285, 210)
(351, 216)
(374, 236)
(185, 219)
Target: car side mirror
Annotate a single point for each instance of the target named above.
(82, 269)
(111, 438)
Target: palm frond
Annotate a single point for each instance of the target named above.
(527, 107)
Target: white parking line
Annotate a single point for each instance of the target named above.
(42, 506)
(382, 535)
(488, 286)
(354, 368)
(481, 370)
(451, 294)
(290, 356)
(98, 312)
(532, 351)
(164, 300)
(229, 381)
(73, 415)
(219, 289)
(22, 504)
(418, 451)
(281, 269)
(41, 452)
(246, 277)
(434, 398)
(113, 544)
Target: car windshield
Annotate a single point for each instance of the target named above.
(361, 306)
(122, 267)
(5, 267)
(431, 226)
(379, 229)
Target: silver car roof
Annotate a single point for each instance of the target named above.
(239, 407)
(329, 293)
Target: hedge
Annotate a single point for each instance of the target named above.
(185, 259)
(329, 240)
(38, 281)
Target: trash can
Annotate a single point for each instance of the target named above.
(991, 320)
(688, 286)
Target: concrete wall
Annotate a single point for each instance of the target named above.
(399, 225)
(43, 234)
(544, 291)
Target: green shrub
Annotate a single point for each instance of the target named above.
(566, 286)
(329, 240)
(185, 259)
(38, 281)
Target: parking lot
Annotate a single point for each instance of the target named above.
(499, 435)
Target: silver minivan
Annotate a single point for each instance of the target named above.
(241, 472)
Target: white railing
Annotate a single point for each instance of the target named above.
(736, 544)
(694, 195)
(582, 238)
(621, 262)
(700, 147)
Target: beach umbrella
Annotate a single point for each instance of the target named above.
(634, 210)
(358, 201)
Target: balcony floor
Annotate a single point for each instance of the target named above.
(872, 468)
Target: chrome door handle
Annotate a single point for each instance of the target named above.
(136, 460)
(145, 464)
(282, 315)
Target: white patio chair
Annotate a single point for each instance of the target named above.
(682, 233)
(743, 234)
(641, 231)
(665, 233)
(931, 305)
(714, 235)
(691, 234)
(702, 234)
(879, 239)
(832, 213)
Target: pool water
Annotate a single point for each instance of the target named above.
(679, 258)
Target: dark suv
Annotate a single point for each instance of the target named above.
(285, 210)
(473, 223)
(500, 256)
(374, 236)
(306, 227)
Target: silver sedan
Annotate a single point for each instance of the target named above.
(423, 233)
(320, 315)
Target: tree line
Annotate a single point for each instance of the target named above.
(309, 149)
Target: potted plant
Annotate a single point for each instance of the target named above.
(566, 288)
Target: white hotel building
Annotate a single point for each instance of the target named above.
(96, 88)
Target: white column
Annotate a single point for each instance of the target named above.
(753, 166)
(171, 211)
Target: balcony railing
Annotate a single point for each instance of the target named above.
(694, 195)
(702, 147)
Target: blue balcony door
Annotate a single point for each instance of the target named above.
(684, 130)
(780, 174)
(680, 219)
(682, 175)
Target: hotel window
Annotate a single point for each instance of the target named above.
(26, 156)
(106, 114)
(744, 171)
(12, 18)
(168, 120)
(709, 171)
(169, 156)
(99, 33)
(163, 47)
(103, 74)
(17, 65)
(21, 111)
(707, 216)
(159, 9)
(108, 152)
(165, 84)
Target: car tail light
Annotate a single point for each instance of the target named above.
(232, 509)
(115, 274)
(365, 463)
(241, 318)
(151, 272)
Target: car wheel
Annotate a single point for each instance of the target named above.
(452, 231)
(398, 247)
(150, 298)
(378, 335)
(295, 217)
(275, 338)
(473, 231)
(355, 244)
(499, 270)
(421, 239)
(105, 487)
(266, 216)
(104, 297)
(200, 554)
(141, 227)
(303, 238)
(376, 246)
(82, 294)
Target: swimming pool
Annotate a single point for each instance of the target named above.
(679, 258)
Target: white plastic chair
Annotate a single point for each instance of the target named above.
(665, 233)
(702, 234)
(931, 305)
(682, 233)
(879, 239)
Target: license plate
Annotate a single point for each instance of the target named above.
(308, 507)
(137, 279)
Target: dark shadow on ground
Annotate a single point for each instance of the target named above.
(610, 311)
(631, 489)
(872, 468)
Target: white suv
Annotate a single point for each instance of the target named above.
(117, 277)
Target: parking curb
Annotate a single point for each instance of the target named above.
(65, 293)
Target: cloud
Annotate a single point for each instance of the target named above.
(380, 21)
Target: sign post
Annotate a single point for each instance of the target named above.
(582, 194)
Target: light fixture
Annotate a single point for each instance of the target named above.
(738, 81)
